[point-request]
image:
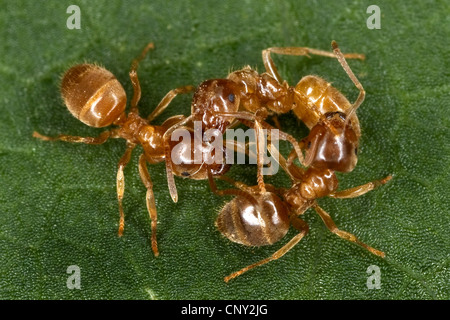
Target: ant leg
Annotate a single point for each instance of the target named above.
(243, 191)
(168, 158)
(150, 200)
(297, 148)
(120, 181)
(134, 77)
(168, 99)
(344, 64)
(300, 225)
(280, 159)
(102, 138)
(276, 122)
(297, 51)
(258, 125)
(239, 147)
(294, 172)
(260, 155)
(259, 140)
(240, 185)
(329, 223)
(283, 136)
(360, 190)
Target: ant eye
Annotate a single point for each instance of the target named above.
(356, 151)
(185, 174)
(231, 97)
(309, 144)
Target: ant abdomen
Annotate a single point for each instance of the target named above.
(326, 98)
(93, 95)
(254, 219)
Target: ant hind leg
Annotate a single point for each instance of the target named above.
(150, 200)
(300, 225)
(120, 181)
(297, 51)
(102, 138)
(329, 223)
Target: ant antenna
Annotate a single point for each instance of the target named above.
(352, 76)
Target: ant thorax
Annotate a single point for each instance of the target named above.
(258, 90)
(315, 184)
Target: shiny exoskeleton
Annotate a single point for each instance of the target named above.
(253, 218)
(94, 96)
(216, 105)
(246, 95)
(328, 114)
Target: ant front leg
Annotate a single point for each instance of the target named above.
(102, 138)
(150, 200)
(243, 189)
(168, 157)
(120, 181)
(360, 190)
(297, 51)
(329, 223)
(297, 223)
(168, 99)
(283, 136)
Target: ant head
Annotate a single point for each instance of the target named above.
(212, 98)
(332, 144)
(187, 164)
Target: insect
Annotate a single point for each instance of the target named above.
(328, 114)
(246, 95)
(253, 218)
(256, 218)
(215, 105)
(94, 96)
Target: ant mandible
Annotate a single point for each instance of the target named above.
(94, 96)
(253, 218)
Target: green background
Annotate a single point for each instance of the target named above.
(58, 202)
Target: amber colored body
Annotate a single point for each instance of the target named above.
(217, 104)
(245, 95)
(94, 96)
(253, 218)
(313, 100)
(256, 218)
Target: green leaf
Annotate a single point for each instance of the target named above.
(58, 200)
